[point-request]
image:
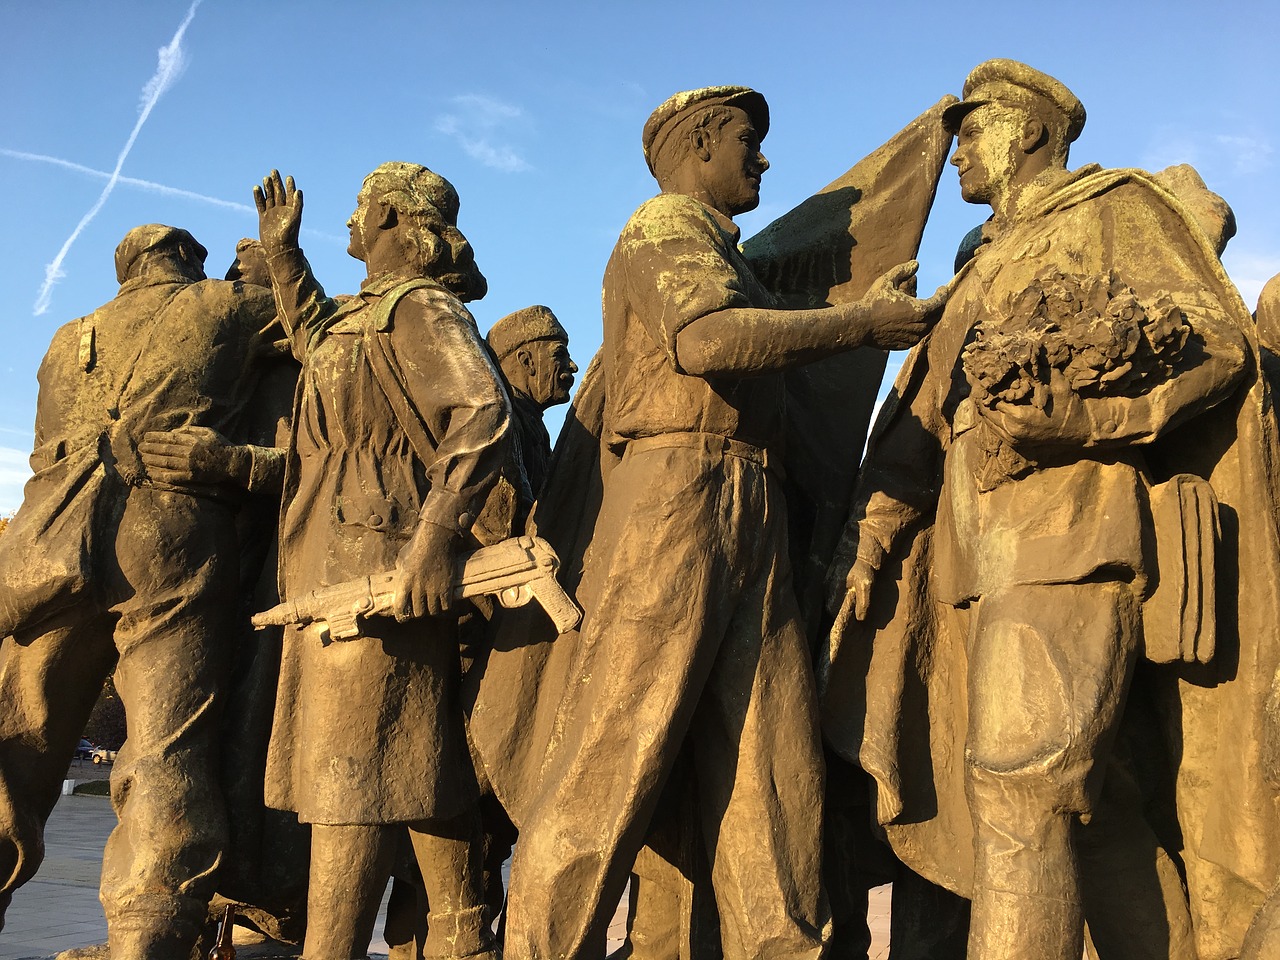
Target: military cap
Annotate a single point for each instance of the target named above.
(1008, 81)
(663, 121)
(524, 326)
(151, 236)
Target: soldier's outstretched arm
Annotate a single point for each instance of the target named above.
(747, 340)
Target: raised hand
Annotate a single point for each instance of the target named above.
(895, 319)
(279, 204)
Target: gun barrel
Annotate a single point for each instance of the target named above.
(282, 614)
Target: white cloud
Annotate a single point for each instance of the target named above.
(1242, 154)
(1251, 154)
(482, 125)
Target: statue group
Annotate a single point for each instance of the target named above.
(1020, 659)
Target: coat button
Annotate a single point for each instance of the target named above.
(376, 521)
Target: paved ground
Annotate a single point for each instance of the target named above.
(59, 909)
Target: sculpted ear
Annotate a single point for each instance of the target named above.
(700, 143)
(1034, 135)
(525, 356)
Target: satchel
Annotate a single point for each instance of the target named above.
(46, 552)
(1179, 617)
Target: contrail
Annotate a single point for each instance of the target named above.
(128, 181)
(160, 188)
(169, 69)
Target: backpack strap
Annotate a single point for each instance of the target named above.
(389, 375)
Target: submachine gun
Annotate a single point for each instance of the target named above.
(515, 571)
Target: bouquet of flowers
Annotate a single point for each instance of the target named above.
(1104, 339)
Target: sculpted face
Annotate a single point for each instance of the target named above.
(250, 266)
(987, 153)
(731, 176)
(357, 246)
(542, 371)
(424, 243)
(551, 378)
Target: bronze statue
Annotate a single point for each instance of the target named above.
(532, 349)
(826, 250)
(264, 872)
(693, 631)
(250, 264)
(116, 560)
(1010, 553)
(401, 430)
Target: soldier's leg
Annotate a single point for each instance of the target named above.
(667, 588)
(1134, 900)
(405, 929)
(758, 757)
(499, 838)
(350, 865)
(177, 563)
(672, 913)
(854, 859)
(1048, 668)
(656, 902)
(927, 922)
(1263, 939)
(449, 855)
(48, 686)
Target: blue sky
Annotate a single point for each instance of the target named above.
(534, 111)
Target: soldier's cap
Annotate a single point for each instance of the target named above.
(1008, 81)
(524, 326)
(151, 236)
(663, 121)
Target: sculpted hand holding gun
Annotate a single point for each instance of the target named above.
(515, 571)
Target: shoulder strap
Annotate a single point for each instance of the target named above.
(387, 371)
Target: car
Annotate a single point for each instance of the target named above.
(85, 750)
(102, 754)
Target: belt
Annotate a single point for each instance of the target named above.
(708, 442)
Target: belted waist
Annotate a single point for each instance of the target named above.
(710, 443)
